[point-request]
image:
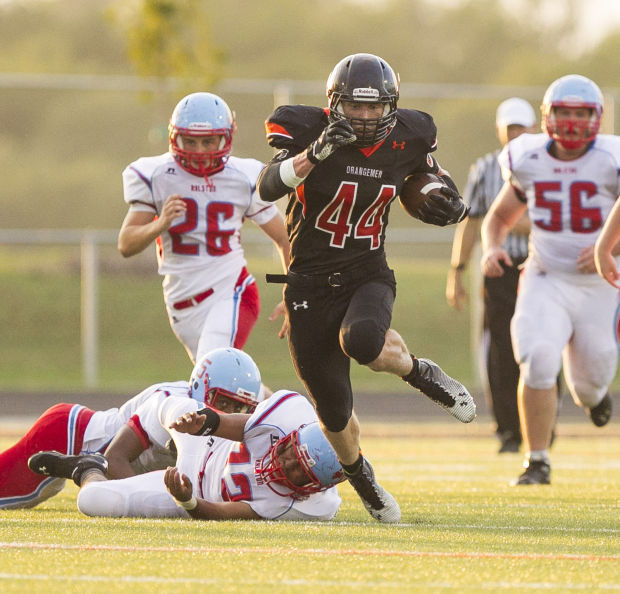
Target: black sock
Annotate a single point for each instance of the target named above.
(351, 469)
(413, 374)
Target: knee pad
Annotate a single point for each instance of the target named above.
(95, 499)
(540, 366)
(362, 340)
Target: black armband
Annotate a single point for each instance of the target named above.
(211, 423)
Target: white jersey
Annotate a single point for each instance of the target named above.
(567, 201)
(204, 246)
(105, 424)
(224, 470)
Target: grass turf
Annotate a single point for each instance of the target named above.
(464, 529)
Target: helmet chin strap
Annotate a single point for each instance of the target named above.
(209, 182)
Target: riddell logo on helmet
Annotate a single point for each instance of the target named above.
(365, 93)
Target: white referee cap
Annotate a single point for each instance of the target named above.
(515, 111)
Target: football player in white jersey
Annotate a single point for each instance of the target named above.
(226, 379)
(193, 201)
(567, 179)
(274, 464)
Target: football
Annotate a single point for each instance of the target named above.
(415, 190)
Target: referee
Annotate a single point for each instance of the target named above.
(514, 116)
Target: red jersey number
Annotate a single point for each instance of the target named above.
(240, 489)
(217, 240)
(335, 218)
(582, 219)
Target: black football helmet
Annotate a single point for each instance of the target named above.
(366, 78)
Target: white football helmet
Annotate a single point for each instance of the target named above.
(226, 379)
(201, 114)
(577, 91)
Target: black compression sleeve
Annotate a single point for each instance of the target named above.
(270, 185)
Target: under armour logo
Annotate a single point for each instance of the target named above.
(303, 304)
(171, 170)
(400, 145)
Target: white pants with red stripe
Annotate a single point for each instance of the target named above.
(224, 319)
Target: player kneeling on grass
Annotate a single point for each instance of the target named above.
(273, 464)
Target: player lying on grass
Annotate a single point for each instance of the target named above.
(226, 379)
(273, 464)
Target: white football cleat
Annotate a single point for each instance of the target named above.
(443, 390)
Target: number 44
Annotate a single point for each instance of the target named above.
(335, 218)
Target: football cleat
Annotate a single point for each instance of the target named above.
(537, 472)
(53, 463)
(443, 390)
(377, 501)
(601, 413)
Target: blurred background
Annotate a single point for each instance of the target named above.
(87, 86)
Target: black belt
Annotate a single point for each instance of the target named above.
(331, 279)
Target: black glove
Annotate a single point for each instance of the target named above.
(443, 210)
(336, 134)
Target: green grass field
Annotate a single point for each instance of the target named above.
(464, 529)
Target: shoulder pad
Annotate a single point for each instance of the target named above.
(609, 143)
(295, 126)
(421, 127)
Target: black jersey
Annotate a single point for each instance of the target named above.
(337, 217)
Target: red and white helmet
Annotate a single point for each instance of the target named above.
(573, 91)
(201, 114)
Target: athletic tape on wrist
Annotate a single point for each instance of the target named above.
(287, 174)
(189, 505)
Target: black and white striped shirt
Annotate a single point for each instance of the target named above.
(483, 184)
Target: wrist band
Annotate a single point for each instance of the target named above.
(287, 174)
(310, 155)
(189, 505)
(212, 422)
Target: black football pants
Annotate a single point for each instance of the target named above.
(329, 326)
(500, 296)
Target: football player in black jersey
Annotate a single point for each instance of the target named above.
(341, 168)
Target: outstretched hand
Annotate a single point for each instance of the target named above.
(190, 422)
